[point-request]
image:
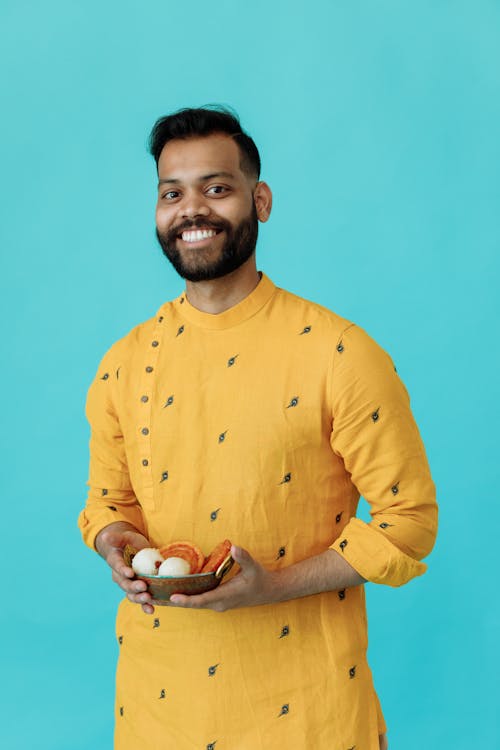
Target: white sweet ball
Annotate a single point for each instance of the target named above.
(144, 561)
(174, 566)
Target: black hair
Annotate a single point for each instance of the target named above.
(195, 123)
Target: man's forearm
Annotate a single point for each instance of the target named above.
(327, 571)
(254, 584)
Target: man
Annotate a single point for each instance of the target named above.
(243, 412)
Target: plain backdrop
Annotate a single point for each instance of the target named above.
(378, 125)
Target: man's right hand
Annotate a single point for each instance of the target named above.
(110, 543)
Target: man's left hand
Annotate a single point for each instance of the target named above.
(252, 585)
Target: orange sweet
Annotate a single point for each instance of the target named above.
(217, 556)
(187, 551)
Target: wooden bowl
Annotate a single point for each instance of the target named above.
(161, 588)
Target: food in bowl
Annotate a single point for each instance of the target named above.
(187, 551)
(147, 561)
(210, 569)
(174, 566)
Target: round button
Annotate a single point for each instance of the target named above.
(145, 431)
(154, 343)
(145, 462)
(144, 399)
(149, 368)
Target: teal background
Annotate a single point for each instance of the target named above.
(378, 128)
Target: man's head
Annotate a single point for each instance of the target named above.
(209, 198)
(200, 123)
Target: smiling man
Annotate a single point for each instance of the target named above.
(205, 243)
(241, 411)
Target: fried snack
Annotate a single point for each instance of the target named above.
(187, 551)
(217, 556)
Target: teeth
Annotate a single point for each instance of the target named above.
(197, 235)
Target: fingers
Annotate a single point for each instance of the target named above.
(226, 596)
(130, 586)
(201, 601)
(124, 576)
(180, 600)
(136, 591)
(116, 562)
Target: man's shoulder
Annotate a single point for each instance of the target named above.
(360, 342)
(310, 313)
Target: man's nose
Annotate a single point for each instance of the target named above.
(194, 205)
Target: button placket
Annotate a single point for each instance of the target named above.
(144, 397)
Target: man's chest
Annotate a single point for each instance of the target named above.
(231, 437)
(215, 389)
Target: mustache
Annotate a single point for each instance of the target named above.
(197, 224)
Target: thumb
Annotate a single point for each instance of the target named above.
(242, 557)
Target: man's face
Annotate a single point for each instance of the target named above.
(206, 220)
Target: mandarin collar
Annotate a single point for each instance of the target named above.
(233, 316)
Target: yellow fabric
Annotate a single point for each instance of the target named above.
(261, 425)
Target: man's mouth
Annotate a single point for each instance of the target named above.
(197, 235)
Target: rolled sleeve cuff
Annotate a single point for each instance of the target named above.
(374, 557)
(91, 522)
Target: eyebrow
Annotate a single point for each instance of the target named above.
(175, 181)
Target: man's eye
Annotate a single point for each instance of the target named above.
(217, 189)
(170, 195)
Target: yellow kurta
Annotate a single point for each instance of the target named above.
(262, 424)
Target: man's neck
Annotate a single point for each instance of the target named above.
(217, 295)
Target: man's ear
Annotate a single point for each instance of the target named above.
(263, 199)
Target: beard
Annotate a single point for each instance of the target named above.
(198, 265)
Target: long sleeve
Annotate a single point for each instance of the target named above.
(375, 434)
(111, 497)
